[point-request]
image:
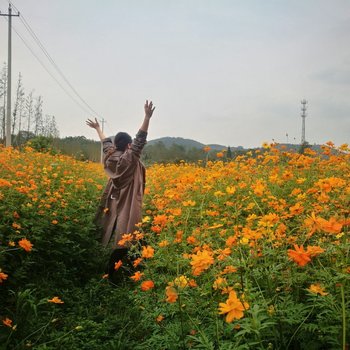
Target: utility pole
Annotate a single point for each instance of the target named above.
(103, 121)
(303, 116)
(8, 116)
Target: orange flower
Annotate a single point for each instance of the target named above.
(317, 289)
(3, 276)
(16, 226)
(299, 255)
(171, 294)
(7, 322)
(206, 149)
(314, 250)
(127, 237)
(117, 265)
(147, 252)
(54, 222)
(5, 183)
(160, 220)
(137, 262)
(137, 276)
(163, 243)
(220, 283)
(331, 226)
(296, 209)
(189, 203)
(201, 262)
(234, 307)
(259, 188)
(160, 318)
(313, 223)
(192, 283)
(228, 269)
(56, 300)
(220, 154)
(191, 240)
(147, 285)
(25, 244)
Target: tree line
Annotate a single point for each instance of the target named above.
(27, 118)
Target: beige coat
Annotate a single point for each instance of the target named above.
(121, 202)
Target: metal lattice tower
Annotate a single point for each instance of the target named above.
(303, 116)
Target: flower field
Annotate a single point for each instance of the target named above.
(245, 254)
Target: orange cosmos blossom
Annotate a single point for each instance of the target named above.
(313, 223)
(201, 261)
(160, 220)
(234, 307)
(296, 209)
(147, 252)
(137, 262)
(331, 226)
(314, 250)
(299, 255)
(163, 243)
(317, 289)
(147, 285)
(171, 294)
(220, 283)
(25, 244)
(259, 188)
(160, 318)
(117, 265)
(56, 300)
(7, 322)
(137, 276)
(3, 276)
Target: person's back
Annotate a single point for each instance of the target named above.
(121, 203)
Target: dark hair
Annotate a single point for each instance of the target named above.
(121, 141)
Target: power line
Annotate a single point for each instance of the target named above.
(42, 47)
(87, 107)
(47, 70)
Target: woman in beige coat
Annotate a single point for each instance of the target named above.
(121, 202)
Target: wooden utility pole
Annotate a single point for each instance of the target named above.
(8, 115)
(103, 121)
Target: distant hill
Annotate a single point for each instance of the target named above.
(188, 143)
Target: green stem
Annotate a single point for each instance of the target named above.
(297, 330)
(344, 315)
(59, 338)
(181, 321)
(38, 330)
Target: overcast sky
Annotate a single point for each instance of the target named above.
(219, 71)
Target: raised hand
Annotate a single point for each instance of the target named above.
(149, 109)
(93, 124)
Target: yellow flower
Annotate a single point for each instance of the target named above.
(181, 281)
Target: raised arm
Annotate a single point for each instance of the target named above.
(148, 114)
(95, 125)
